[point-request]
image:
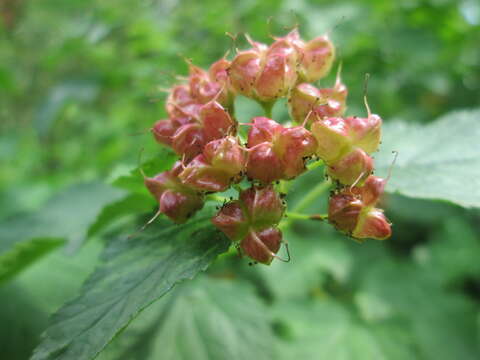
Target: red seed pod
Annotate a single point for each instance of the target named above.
(365, 132)
(262, 246)
(213, 122)
(353, 211)
(306, 100)
(221, 163)
(179, 102)
(163, 131)
(232, 220)
(353, 168)
(211, 85)
(344, 210)
(374, 225)
(251, 221)
(277, 152)
(263, 206)
(265, 74)
(332, 137)
(316, 58)
(176, 200)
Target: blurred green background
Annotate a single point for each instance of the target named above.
(81, 80)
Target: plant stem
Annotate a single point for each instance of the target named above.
(307, 200)
(312, 195)
(267, 108)
(213, 197)
(315, 164)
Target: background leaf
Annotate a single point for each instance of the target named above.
(202, 319)
(66, 217)
(136, 272)
(436, 161)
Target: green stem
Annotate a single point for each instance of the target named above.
(312, 195)
(213, 197)
(315, 164)
(306, 201)
(267, 108)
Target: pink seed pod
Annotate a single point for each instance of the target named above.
(371, 191)
(211, 85)
(344, 210)
(332, 135)
(212, 122)
(179, 101)
(276, 152)
(176, 200)
(326, 102)
(265, 74)
(163, 131)
(251, 222)
(263, 206)
(221, 164)
(316, 58)
(352, 169)
(352, 210)
(232, 220)
(262, 246)
(366, 132)
(374, 225)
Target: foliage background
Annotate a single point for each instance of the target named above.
(78, 80)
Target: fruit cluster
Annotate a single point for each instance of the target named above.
(202, 130)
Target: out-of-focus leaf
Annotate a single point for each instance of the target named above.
(436, 161)
(136, 272)
(323, 329)
(26, 302)
(132, 204)
(66, 216)
(442, 323)
(452, 252)
(134, 180)
(313, 256)
(80, 90)
(208, 318)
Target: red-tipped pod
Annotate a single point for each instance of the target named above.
(277, 152)
(373, 225)
(213, 122)
(216, 121)
(353, 168)
(344, 210)
(163, 131)
(332, 137)
(221, 164)
(262, 246)
(265, 74)
(316, 58)
(263, 206)
(306, 100)
(176, 200)
(251, 221)
(365, 132)
(353, 211)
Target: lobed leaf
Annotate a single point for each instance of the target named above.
(135, 273)
(65, 218)
(206, 319)
(435, 161)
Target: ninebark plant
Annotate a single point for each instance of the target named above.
(202, 129)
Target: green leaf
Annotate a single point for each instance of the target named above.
(314, 255)
(134, 180)
(442, 322)
(323, 329)
(66, 217)
(209, 319)
(452, 252)
(437, 161)
(135, 273)
(132, 204)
